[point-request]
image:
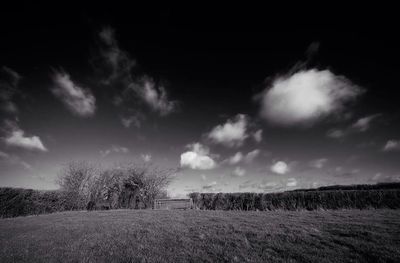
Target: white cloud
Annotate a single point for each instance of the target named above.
(232, 133)
(318, 163)
(363, 124)
(258, 136)
(146, 157)
(236, 158)
(154, 95)
(280, 167)
(197, 158)
(239, 172)
(392, 145)
(203, 177)
(250, 156)
(114, 149)
(291, 182)
(306, 96)
(18, 139)
(78, 100)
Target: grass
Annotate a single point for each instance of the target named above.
(203, 236)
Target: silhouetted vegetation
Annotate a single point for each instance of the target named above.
(386, 195)
(85, 186)
(115, 189)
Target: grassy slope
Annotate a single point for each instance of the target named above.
(203, 236)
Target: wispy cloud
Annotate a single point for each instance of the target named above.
(257, 135)
(146, 157)
(78, 100)
(210, 186)
(306, 96)
(236, 158)
(360, 125)
(391, 146)
(364, 123)
(239, 172)
(114, 149)
(155, 96)
(251, 156)
(197, 158)
(14, 160)
(9, 80)
(291, 182)
(135, 89)
(231, 134)
(318, 163)
(336, 133)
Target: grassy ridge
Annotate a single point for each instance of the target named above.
(203, 236)
(334, 197)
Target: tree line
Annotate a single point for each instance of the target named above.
(356, 197)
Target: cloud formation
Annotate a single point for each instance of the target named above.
(154, 96)
(197, 158)
(391, 146)
(250, 156)
(146, 157)
(363, 124)
(9, 80)
(318, 163)
(114, 149)
(79, 101)
(210, 186)
(360, 125)
(17, 138)
(280, 167)
(235, 158)
(306, 96)
(239, 172)
(291, 182)
(14, 160)
(257, 136)
(132, 89)
(231, 134)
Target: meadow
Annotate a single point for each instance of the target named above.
(371, 235)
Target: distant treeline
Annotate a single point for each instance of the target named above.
(21, 202)
(385, 195)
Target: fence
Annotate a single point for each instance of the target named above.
(173, 203)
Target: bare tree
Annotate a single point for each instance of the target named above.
(77, 180)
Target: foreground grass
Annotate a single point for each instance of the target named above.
(203, 236)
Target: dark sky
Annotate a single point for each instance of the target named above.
(241, 99)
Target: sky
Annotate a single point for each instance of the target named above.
(235, 101)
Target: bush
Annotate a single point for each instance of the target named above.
(336, 197)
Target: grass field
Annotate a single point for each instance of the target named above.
(203, 236)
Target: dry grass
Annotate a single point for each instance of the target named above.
(203, 236)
